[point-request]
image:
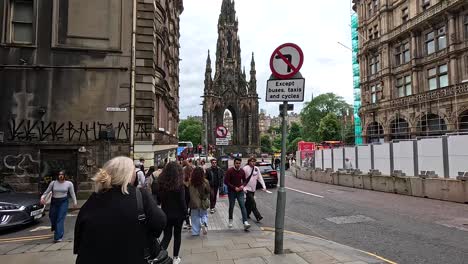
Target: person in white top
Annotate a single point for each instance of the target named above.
(252, 174)
(60, 189)
(348, 165)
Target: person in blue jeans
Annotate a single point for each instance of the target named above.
(199, 190)
(235, 180)
(59, 204)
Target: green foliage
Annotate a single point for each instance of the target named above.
(292, 147)
(265, 143)
(276, 145)
(329, 128)
(318, 108)
(191, 130)
(295, 131)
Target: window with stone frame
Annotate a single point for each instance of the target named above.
(436, 40)
(375, 4)
(465, 26)
(374, 65)
(370, 10)
(437, 77)
(425, 4)
(21, 22)
(371, 34)
(403, 86)
(402, 53)
(376, 31)
(404, 14)
(374, 90)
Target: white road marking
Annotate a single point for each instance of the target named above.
(311, 194)
(39, 228)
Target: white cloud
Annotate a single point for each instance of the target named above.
(316, 26)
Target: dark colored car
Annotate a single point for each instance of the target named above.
(269, 174)
(18, 208)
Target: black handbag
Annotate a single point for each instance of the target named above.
(154, 253)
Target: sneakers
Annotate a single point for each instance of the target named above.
(204, 229)
(57, 241)
(230, 223)
(259, 219)
(246, 225)
(212, 211)
(176, 260)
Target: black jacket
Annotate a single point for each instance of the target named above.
(215, 177)
(107, 228)
(173, 203)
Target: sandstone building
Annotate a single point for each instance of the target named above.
(77, 87)
(414, 67)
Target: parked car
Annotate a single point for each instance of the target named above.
(18, 208)
(269, 174)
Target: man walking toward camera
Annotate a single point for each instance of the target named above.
(235, 181)
(253, 175)
(215, 177)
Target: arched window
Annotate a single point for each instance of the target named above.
(463, 121)
(229, 45)
(375, 132)
(399, 129)
(432, 125)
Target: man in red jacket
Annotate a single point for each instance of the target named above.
(235, 180)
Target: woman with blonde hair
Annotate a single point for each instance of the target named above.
(108, 229)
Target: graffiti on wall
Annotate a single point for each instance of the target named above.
(22, 165)
(30, 130)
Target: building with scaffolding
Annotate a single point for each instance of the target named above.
(413, 62)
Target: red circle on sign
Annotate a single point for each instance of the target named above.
(295, 69)
(223, 131)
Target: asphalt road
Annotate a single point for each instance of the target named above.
(400, 228)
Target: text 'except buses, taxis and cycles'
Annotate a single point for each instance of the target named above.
(285, 90)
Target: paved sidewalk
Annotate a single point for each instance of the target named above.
(222, 246)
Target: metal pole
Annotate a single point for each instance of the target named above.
(281, 200)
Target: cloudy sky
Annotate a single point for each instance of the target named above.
(316, 26)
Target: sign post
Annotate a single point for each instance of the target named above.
(286, 85)
(221, 137)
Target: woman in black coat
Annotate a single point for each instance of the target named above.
(107, 229)
(171, 195)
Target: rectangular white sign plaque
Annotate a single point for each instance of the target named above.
(291, 90)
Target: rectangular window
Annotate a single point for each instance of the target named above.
(22, 17)
(436, 40)
(438, 77)
(443, 76)
(371, 35)
(465, 26)
(441, 38)
(374, 90)
(404, 14)
(426, 4)
(404, 86)
(369, 9)
(374, 65)
(430, 44)
(376, 31)
(402, 53)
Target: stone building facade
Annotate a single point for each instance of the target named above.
(68, 73)
(414, 67)
(229, 88)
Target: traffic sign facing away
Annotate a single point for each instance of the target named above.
(222, 141)
(291, 90)
(221, 132)
(286, 61)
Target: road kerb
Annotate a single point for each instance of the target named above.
(271, 229)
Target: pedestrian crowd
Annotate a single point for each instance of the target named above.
(131, 207)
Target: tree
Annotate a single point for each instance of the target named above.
(295, 131)
(191, 130)
(329, 128)
(265, 144)
(317, 109)
(292, 147)
(276, 144)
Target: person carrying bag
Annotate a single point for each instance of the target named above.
(153, 252)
